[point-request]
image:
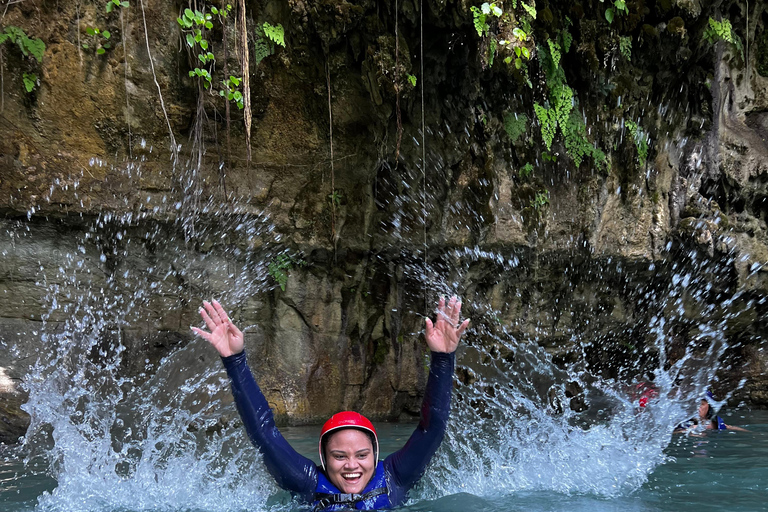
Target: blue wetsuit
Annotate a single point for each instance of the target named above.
(394, 476)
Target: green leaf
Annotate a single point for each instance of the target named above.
(101, 51)
(90, 31)
(110, 5)
(620, 5)
(208, 25)
(238, 95)
(191, 73)
(412, 80)
(36, 47)
(235, 80)
(125, 4)
(529, 9)
(107, 34)
(189, 14)
(85, 46)
(204, 44)
(526, 53)
(30, 81)
(508, 59)
(190, 40)
(202, 58)
(274, 34)
(106, 45)
(609, 15)
(518, 63)
(214, 10)
(486, 8)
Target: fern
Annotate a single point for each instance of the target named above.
(27, 45)
(479, 21)
(641, 142)
(548, 122)
(530, 9)
(566, 40)
(515, 125)
(274, 34)
(625, 47)
(554, 52)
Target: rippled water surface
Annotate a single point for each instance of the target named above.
(717, 471)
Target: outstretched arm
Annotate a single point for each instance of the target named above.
(408, 464)
(291, 470)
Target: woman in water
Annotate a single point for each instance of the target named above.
(350, 474)
(706, 420)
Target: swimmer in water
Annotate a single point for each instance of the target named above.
(707, 419)
(350, 474)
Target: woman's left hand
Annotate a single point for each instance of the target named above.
(444, 334)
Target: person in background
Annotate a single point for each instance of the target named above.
(350, 474)
(707, 419)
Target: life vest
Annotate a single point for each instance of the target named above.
(720, 423)
(375, 495)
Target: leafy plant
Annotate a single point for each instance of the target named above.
(480, 17)
(335, 197)
(193, 23)
(515, 125)
(27, 45)
(30, 81)
(116, 3)
(719, 31)
(230, 91)
(281, 265)
(618, 5)
(641, 142)
(530, 9)
(274, 34)
(526, 171)
(540, 200)
(98, 39)
(625, 47)
(723, 31)
(412, 80)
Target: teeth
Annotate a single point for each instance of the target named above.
(352, 476)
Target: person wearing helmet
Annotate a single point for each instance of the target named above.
(350, 474)
(707, 419)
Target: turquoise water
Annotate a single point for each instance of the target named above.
(717, 471)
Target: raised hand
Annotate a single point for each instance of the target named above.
(224, 336)
(444, 334)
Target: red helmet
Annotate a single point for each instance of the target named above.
(348, 419)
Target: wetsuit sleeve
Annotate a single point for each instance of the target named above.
(406, 465)
(292, 471)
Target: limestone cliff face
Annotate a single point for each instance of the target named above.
(100, 204)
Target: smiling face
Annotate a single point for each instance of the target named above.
(349, 460)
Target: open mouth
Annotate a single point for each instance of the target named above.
(351, 477)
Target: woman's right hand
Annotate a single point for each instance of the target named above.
(224, 336)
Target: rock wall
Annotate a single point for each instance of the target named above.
(95, 193)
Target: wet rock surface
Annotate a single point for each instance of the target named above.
(86, 179)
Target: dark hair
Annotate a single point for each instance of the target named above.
(709, 412)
